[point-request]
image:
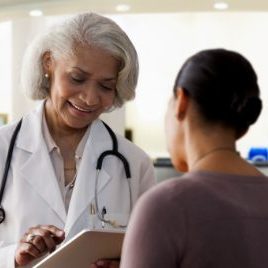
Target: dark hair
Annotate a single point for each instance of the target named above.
(224, 86)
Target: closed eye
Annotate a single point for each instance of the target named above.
(107, 87)
(78, 80)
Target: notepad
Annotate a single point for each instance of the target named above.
(85, 248)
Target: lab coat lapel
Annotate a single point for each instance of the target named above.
(83, 193)
(38, 170)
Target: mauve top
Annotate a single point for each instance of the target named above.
(200, 220)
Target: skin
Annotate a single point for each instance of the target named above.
(105, 264)
(174, 133)
(191, 141)
(47, 237)
(82, 87)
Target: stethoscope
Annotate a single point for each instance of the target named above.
(114, 152)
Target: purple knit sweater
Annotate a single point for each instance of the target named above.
(200, 220)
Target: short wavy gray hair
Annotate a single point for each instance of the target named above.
(61, 41)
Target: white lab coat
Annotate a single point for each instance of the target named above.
(32, 195)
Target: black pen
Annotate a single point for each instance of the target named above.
(103, 212)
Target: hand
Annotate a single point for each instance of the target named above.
(106, 264)
(36, 242)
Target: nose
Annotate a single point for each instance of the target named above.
(90, 95)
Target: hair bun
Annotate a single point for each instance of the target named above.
(248, 111)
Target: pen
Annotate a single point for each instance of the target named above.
(92, 209)
(92, 214)
(103, 212)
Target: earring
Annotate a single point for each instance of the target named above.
(46, 81)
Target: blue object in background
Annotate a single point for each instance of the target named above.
(258, 154)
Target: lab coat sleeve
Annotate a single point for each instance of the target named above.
(7, 256)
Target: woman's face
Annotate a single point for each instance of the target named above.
(81, 87)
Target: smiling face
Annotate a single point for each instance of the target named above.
(81, 87)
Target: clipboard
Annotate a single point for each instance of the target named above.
(85, 248)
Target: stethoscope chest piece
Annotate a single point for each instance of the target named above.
(2, 215)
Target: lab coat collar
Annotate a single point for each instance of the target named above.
(30, 140)
(45, 182)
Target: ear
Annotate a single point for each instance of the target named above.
(182, 101)
(47, 62)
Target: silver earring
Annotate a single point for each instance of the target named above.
(46, 76)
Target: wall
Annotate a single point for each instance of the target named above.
(5, 68)
(23, 31)
(164, 41)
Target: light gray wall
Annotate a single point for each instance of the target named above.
(165, 41)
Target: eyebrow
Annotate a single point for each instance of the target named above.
(86, 73)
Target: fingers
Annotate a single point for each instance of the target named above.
(57, 234)
(106, 264)
(37, 241)
(27, 248)
(25, 253)
(45, 237)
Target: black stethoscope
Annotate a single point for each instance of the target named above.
(114, 152)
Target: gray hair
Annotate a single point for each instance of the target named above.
(61, 41)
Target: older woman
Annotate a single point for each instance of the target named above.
(216, 214)
(79, 69)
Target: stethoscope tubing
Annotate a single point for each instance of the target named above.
(125, 163)
(100, 160)
(6, 168)
(100, 216)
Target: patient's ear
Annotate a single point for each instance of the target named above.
(182, 101)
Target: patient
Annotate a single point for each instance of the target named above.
(216, 215)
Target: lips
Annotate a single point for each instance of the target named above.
(82, 109)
